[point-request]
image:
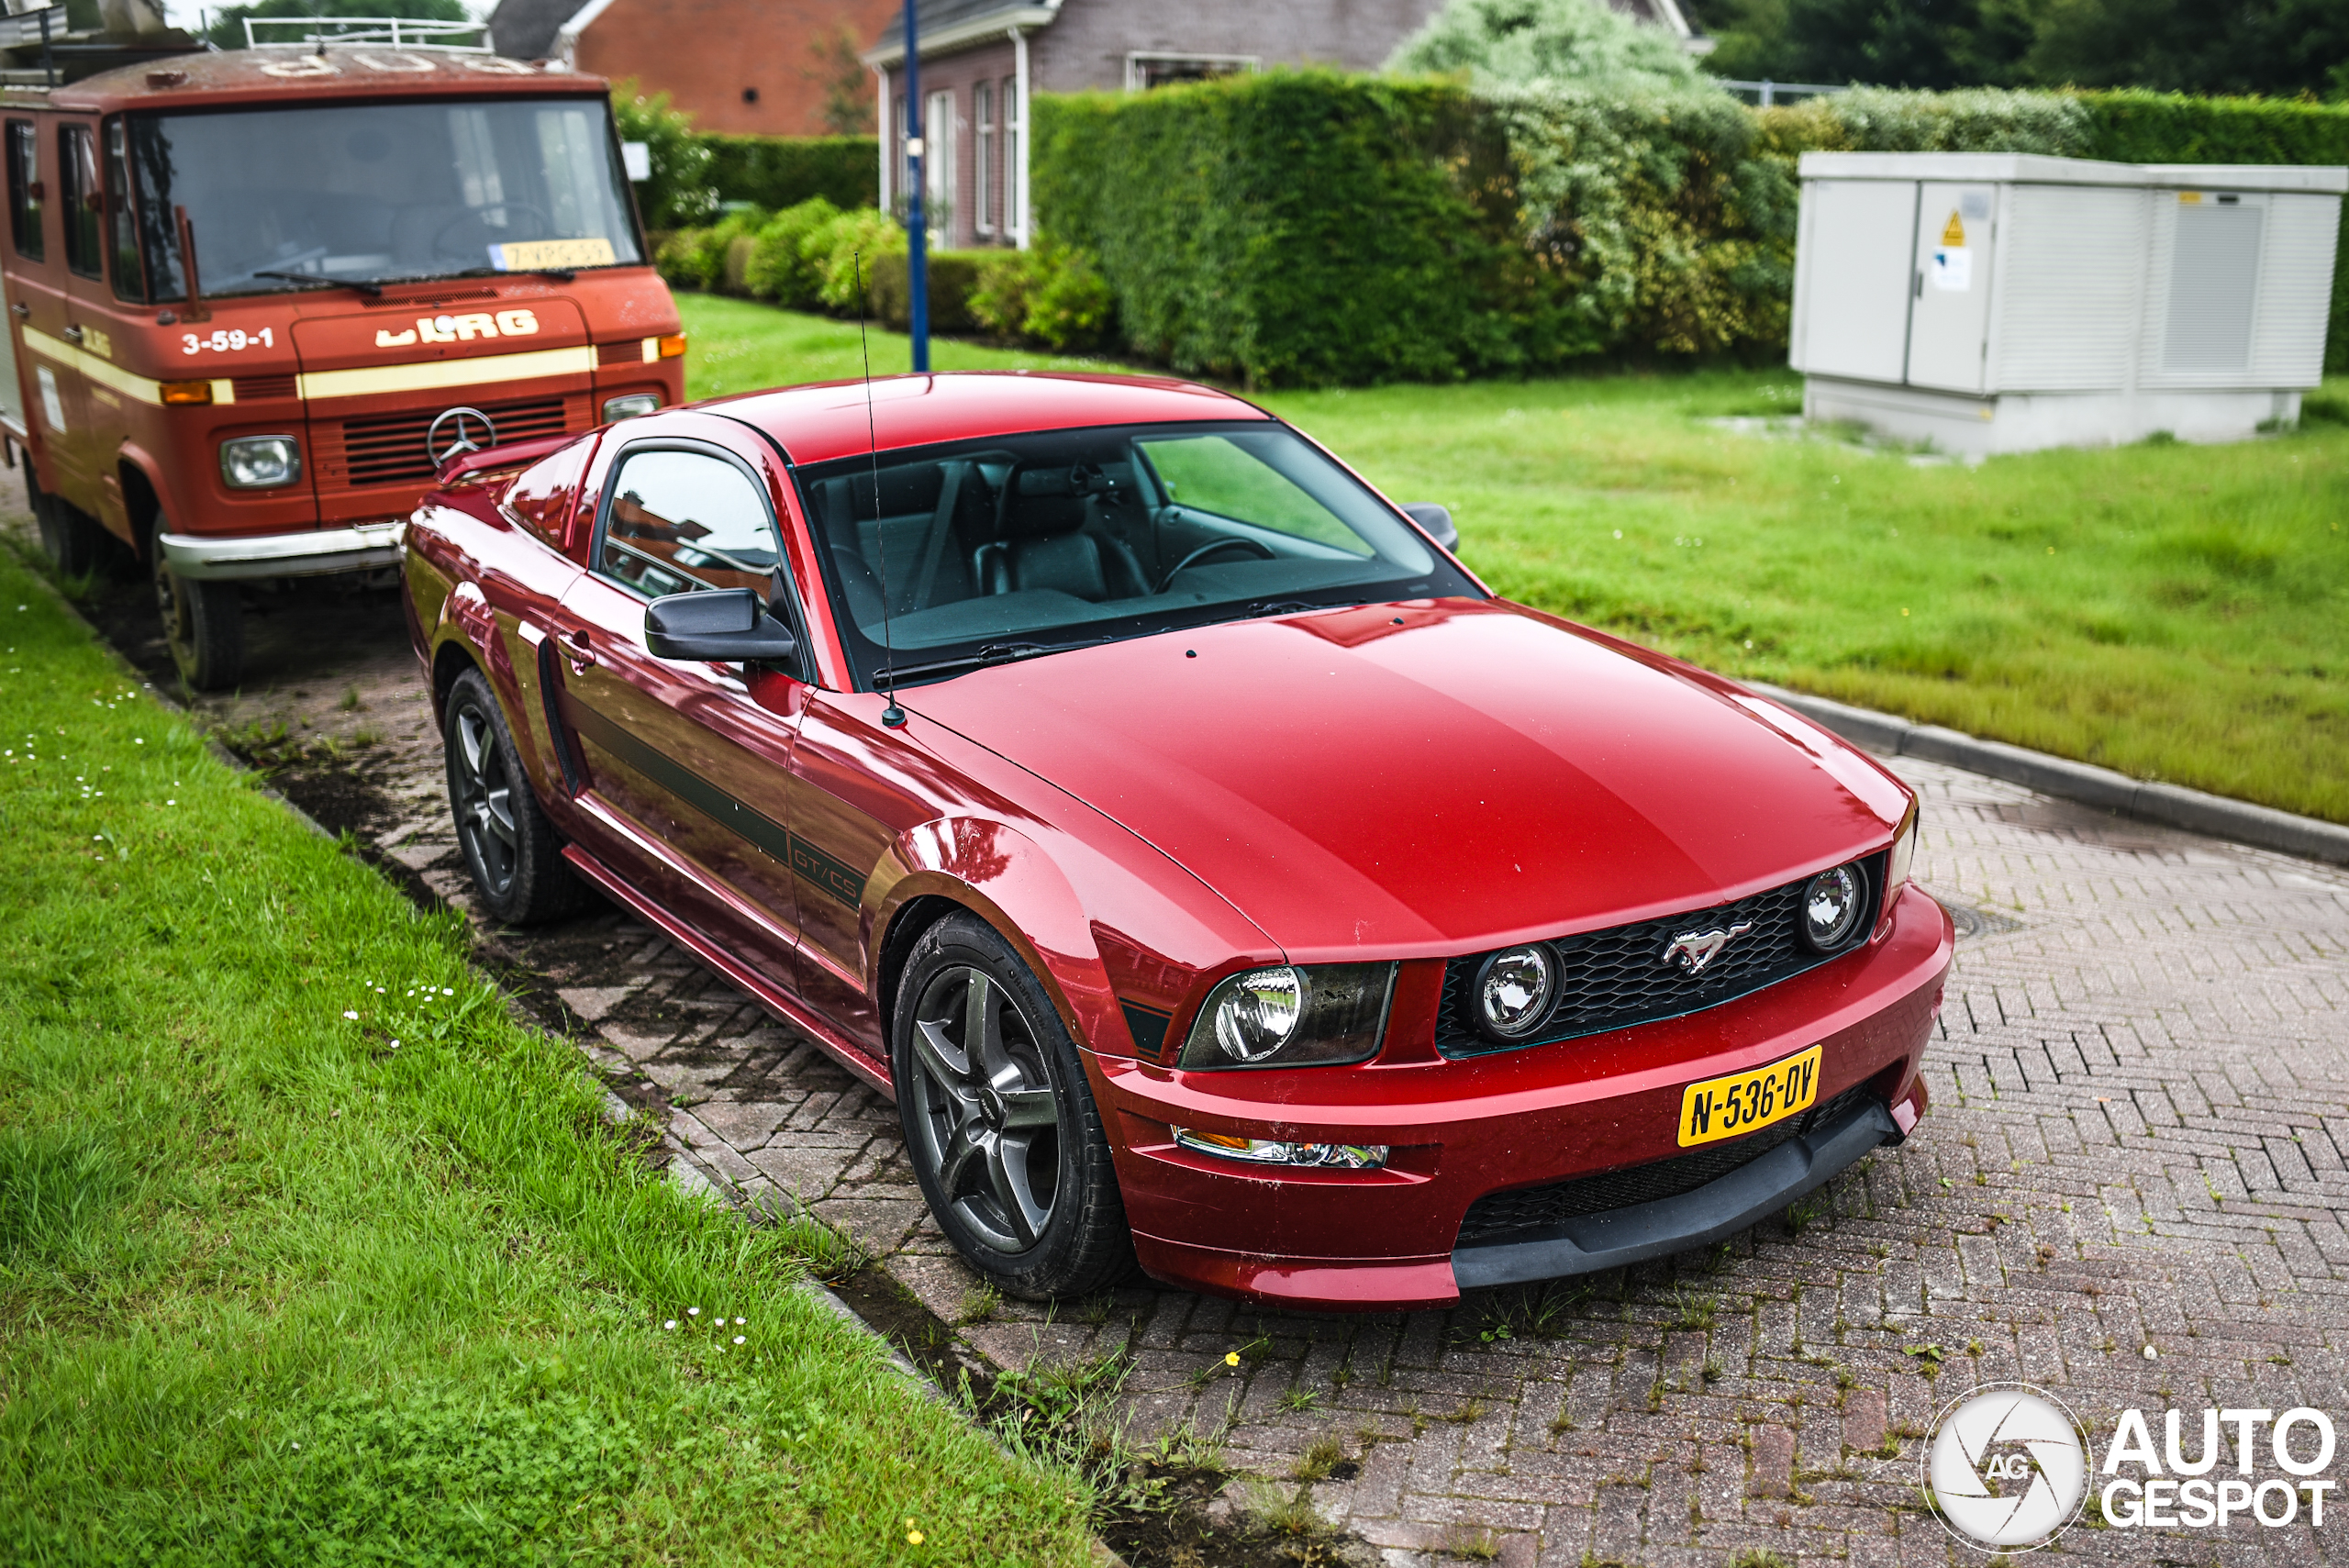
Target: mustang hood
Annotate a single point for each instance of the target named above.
(1424, 780)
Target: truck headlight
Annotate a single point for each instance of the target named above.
(630, 405)
(1289, 1015)
(260, 463)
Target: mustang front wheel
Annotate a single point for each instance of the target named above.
(1003, 1135)
(510, 849)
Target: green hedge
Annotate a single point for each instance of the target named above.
(953, 275)
(1310, 228)
(777, 172)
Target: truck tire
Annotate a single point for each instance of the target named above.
(204, 624)
(70, 539)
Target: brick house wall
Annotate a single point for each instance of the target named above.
(744, 66)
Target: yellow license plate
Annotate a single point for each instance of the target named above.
(1725, 1107)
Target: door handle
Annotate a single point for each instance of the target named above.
(20, 310)
(577, 649)
(73, 334)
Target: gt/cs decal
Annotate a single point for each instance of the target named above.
(459, 329)
(836, 878)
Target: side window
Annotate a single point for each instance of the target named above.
(25, 192)
(77, 167)
(685, 521)
(122, 233)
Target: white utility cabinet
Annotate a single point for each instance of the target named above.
(2004, 302)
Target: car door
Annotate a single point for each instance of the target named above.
(682, 764)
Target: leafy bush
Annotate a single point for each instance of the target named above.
(1549, 43)
(845, 249)
(780, 267)
(697, 258)
(1052, 295)
(951, 276)
(778, 172)
(679, 193)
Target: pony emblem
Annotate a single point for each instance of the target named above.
(1695, 950)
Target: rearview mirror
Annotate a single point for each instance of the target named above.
(1436, 519)
(728, 625)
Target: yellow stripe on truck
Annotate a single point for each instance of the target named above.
(108, 374)
(369, 381)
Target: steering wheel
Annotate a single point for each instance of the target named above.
(475, 215)
(1207, 550)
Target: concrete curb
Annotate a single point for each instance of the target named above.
(2169, 804)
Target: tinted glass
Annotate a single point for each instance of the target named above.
(685, 521)
(77, 162)
(373, 190)
(122, 232)
(24, 188)
(975, 552)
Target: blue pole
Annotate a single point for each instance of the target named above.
(916, 234)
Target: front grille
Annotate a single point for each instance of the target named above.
(1618, 977)
(388, 449)
(1501, 1214)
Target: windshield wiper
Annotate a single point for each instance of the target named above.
(992, 653)
(1282, 607)
(367, 286)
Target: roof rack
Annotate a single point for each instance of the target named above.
(387, 32)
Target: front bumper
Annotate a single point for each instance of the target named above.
(1378, 1240)
(317, 554)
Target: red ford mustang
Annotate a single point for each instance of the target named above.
(1216, 874)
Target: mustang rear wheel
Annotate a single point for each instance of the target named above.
(1003, 1135)
(510, 849)
(204, 623)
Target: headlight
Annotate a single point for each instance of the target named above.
(630, 406)
(1276, 1152)
(1904, 855)
(1292, 1016)
(260, 463)
(1513, 990)
(1831, 906)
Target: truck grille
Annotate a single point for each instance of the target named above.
(1531, 1208)
(388, 449)
(1618, 977)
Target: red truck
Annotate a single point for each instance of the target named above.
(257, 297)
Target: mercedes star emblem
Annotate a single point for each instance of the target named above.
(469, 423)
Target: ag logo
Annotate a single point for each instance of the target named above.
(2006, 1468)
(460, 329)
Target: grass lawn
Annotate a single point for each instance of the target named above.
(311, 1253)
(2173, 611)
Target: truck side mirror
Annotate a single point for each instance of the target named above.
(1436, 519)
(726, 626)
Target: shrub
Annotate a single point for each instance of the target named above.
(1549, 43)
(778, 172)
(952, 274)
(1052, 295)
(834, 249)
(779, 268)
(697, 258)
(679, 192)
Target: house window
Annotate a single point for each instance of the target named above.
(983, 171)
(1144, 71)
(937, 161)
(1013, 128)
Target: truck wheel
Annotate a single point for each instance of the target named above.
(204, 625)
(69, 540)
(511, 851)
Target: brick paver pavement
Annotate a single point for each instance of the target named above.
(2140, 1097)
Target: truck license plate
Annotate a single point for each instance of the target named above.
(1724, 1107)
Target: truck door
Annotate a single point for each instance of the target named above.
(80, 208)
(1949, 328)
(37, 306)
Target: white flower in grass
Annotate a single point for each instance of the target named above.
(670, 1324)
(352, 1017)
(692, 1311)
(738, 1338)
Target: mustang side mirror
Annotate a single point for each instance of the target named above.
(1436, 519)
(728, 625)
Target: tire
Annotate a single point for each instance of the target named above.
(72, 543)
(204, 625)
(1006, 1142)
(511, 851)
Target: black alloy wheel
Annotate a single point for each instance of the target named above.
(510, 849)
(204, 622)
(1004, 1139)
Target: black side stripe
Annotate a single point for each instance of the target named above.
(550, 684)
(833, 877)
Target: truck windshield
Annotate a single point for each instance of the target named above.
(364, 193)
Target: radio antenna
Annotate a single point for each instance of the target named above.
(893, 716)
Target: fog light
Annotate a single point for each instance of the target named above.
(260, 463)
(630, 407)
(1275, 1151)
(1831, 908)
(1514, 989)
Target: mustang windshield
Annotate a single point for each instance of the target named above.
(366, 191)
(1020, 545)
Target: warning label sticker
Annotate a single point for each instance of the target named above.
(1954, 231)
